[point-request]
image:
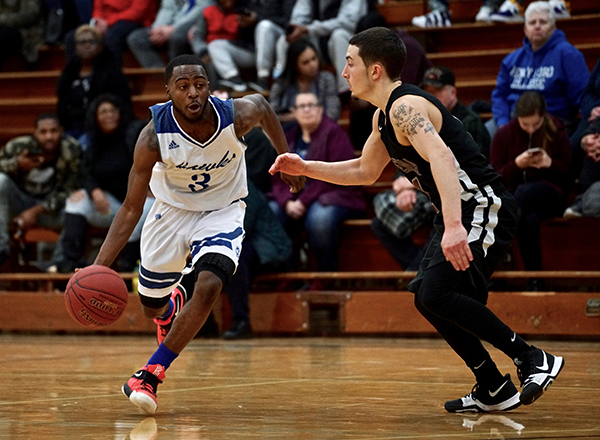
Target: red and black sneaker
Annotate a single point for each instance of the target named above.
(141, 388)
(179, 297)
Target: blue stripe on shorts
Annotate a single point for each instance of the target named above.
(157, 280)
(221, 239)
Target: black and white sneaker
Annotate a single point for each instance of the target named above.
(481, 399)
(537, 370)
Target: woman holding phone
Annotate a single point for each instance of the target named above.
(533, 155)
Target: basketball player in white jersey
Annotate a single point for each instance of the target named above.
(191, 154)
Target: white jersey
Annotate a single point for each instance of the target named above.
(198, 176)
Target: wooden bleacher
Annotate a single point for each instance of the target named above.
(369, 303)
(368, 295)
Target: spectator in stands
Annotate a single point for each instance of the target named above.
(399, 213)
(587, 202)
(106, 164)
(329, 24)
(37, 173)
(21, 29)
(361, 112)
(115, 20)
(63, 16)
(546, 63)
(225, 32)
(272, 20)
(91, 72)
(533, 155)
(320, 207)
(439, 16)
(511, 11)
(440, 82)
(170, 29)
(590, 111)
(585, 142)
(302, 74)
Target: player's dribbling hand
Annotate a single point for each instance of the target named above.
(290, 165)
(456, 248)
(296, 183)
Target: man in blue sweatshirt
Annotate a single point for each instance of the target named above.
(548, 63)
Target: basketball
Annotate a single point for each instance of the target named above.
(96, 296)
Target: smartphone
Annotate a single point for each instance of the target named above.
(534, 150)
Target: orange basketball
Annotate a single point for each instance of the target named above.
(96, 296)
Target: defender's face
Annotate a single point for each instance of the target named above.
(355, 72)
(189, 88)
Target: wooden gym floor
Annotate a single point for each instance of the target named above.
(68, 387)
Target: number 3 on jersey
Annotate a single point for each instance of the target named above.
(200, 182)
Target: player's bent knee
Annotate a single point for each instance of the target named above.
(222, 266)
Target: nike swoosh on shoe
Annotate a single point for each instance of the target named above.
(495, 393)
(544, 366)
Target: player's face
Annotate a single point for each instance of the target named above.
(355, 72)
(189, 88)
(538, 29)
(48, 133)
(108, 117)
(530, 124)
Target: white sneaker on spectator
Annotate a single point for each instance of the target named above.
(437, 18)
(509, 12)
(484, 14)
(561, 8)
(570, 212)
(234, 83)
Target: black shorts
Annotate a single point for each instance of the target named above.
(491, 230)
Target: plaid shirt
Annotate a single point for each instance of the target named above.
(53, 183)
(402, 224)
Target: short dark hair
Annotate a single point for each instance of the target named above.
(183, 60)
(45, 116)
(381, 45)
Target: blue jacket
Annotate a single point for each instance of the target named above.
(557, 70)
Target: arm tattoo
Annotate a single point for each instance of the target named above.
(409, 120)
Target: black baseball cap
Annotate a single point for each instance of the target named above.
(438, 77)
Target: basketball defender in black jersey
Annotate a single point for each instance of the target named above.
(474, 226)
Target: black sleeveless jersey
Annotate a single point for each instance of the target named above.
(477, 177)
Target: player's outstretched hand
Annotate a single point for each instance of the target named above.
(290, 165)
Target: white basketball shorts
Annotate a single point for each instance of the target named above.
(171, 234)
